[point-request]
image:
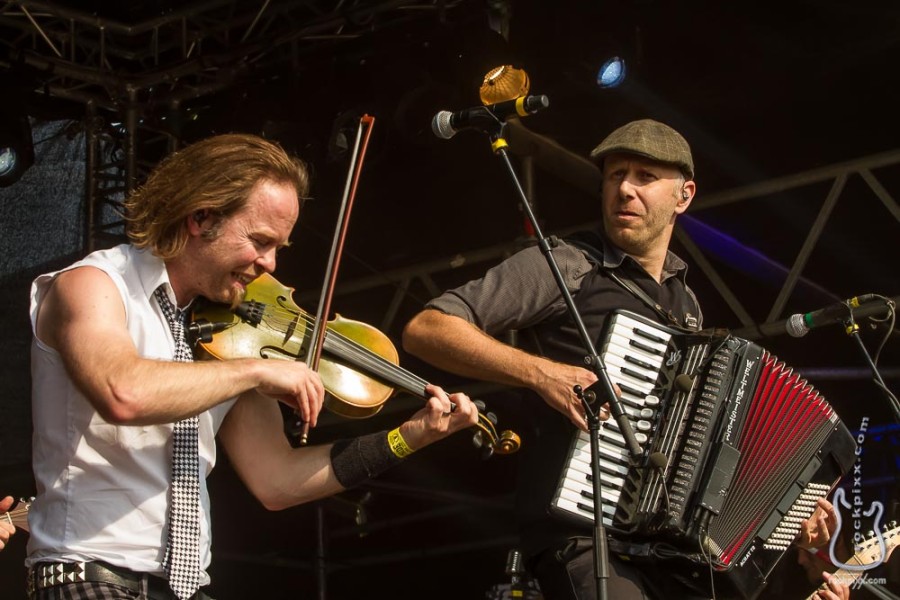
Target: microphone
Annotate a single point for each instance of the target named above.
(799, 325)
(446, 124)
(202, 330)
(658, 460)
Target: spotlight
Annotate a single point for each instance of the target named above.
(612, 73)
(16, 149)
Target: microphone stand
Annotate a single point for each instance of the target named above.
(600, 547)
(852, 330)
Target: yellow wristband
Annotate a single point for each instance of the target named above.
(398, 445)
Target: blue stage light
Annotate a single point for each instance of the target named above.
(612, 73)
(16, 150)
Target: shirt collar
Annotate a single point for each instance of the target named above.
(613, 257)
(153, 273)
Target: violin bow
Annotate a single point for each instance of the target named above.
(363, 133)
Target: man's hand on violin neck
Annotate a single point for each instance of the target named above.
(441, 416)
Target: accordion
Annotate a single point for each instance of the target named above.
(737, 448)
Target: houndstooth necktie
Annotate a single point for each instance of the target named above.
(182, 561)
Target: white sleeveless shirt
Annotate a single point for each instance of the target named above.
(102, 489)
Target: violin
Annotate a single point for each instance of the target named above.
(358, 367)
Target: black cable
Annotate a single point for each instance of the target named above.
(853, 331)
(891, 318)
(703, 550)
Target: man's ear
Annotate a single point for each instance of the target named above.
(687, 194)
(197, 222)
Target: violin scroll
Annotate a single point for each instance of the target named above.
(486, 437)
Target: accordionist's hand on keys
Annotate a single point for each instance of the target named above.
(816, 531)
(556, 383)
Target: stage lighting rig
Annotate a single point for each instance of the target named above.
(16, 148)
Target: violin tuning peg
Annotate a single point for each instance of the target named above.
(480, 405)
(509, 442)
(478, 439)
(492, 418)
(487, 451)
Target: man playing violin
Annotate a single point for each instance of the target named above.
(125, 422)
(647, 181)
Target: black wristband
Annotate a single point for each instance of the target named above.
(360, 459)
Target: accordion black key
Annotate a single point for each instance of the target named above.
(742, 449)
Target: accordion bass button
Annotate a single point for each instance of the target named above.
(651, 400)
(647, 413)
(643, 425)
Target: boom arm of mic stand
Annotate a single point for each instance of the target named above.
(596, 363)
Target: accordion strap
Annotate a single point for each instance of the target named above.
(587, 242)
(666, 316)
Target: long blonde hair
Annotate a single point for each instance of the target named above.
(214, 175)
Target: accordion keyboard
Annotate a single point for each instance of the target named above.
(634, 353)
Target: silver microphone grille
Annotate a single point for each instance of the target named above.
(795, 326)
(441, 127)
(514, 562)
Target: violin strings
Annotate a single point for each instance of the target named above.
(352, 351)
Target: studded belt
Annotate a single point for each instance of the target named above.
(46, 575)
